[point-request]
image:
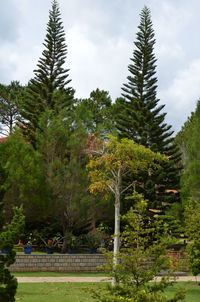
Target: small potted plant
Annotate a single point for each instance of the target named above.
(72, 242)
(51, 243)
(28, 247)
(92, 242)
(50, 248)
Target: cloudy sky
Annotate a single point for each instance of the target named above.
(100, 36)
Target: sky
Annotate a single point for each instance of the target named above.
(100, 36)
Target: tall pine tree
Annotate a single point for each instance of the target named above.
(48, 90)
(140, 117)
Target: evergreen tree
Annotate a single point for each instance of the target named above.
(139, 116)
(10, 98)
(97, 112)
(23, 179)
(9, 235)
(47, 90)
(188, 140)
(63, 145)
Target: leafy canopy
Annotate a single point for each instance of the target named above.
(119, 158)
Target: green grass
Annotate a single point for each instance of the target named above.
(51, 292)
(192, 291)
(78, 292)
(56, 274)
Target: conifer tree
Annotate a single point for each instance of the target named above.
(10, 97)
(48, 90)
(8, 236)
(140, 117)
(97, 111)
(188, 140)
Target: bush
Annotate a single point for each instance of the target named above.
(9, 236)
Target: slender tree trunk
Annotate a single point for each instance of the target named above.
(117, 229)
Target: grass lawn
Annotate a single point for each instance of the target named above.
(192, 294)
(51, 292)
(78, 292)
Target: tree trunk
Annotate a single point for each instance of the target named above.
(116, 235)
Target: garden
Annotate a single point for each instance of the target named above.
(93, 175)
(39, 242)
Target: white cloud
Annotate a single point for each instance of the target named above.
(170, 19)
(96, 65)
(182, 94)
(170, 51)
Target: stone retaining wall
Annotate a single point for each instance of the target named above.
(58, 262)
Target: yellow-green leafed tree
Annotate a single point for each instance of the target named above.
(108, 165)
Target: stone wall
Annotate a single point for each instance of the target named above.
(58, 262)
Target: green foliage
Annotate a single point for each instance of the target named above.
(51, 180)
(10, 100)
(116, 159)
(192, 219)
(3, 174)
(97, 109)
(72, 241)
(62, 144)
(192, 230)
(25, 182)
(94, 238)
(194, 257)
(8, 236)
(47, 90)
(139, 261)
(188, 139)
(140, 117)
(13, 230)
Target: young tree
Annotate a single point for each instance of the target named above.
(9, 236)
(139, 262)
(116, 160)
(10, 99)
(139, 116)
(48, 90)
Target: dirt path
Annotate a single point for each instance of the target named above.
(86, 279)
